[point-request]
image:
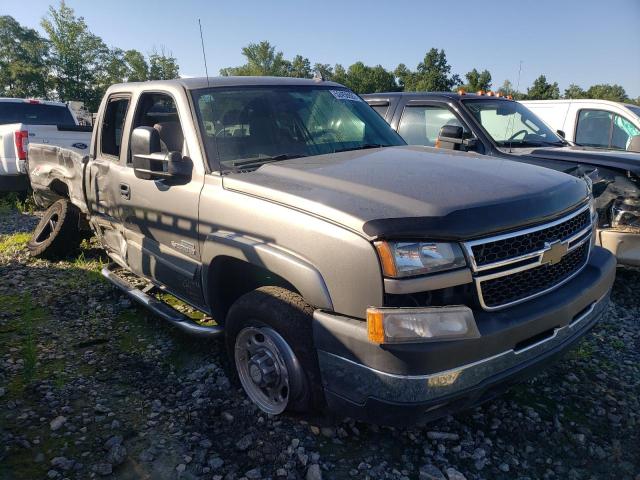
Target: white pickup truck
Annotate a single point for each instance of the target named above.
(37, 121)
(592, 123)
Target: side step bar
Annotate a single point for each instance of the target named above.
(160, 308)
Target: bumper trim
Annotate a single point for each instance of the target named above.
(363, 381)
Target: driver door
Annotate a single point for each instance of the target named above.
(160, 217)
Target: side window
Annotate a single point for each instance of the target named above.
(158, 110)
(594, 128)
(420, 125)
(381, 108)
(112, 126)
(623, 131)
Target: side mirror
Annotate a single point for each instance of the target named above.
(150, 162)
(561, 133)
(450, 137)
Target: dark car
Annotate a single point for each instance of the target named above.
(500, 127)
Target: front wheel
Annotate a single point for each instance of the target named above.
(270, 342)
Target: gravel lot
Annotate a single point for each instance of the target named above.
(94, 387)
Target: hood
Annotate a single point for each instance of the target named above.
(603, 158)
(401, 192)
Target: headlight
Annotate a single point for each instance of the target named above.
(404, 259)
(625, 213)
(410, 325)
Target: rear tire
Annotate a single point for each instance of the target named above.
(269, 339)
(57, 234)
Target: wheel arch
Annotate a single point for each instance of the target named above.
(235, 264)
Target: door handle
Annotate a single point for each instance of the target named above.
(125, 191)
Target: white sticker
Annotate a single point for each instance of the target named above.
(346, 95)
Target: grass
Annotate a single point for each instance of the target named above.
(10, 244)
(15, 202)
(22, 334)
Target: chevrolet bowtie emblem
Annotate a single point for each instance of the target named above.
(554, 253)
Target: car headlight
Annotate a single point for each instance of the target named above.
(625, 213)
(404, 259)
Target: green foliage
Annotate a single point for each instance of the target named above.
(364, 79)
(478, 80)
(24, 60)
(300, 67)
(78, 56)
(11, 244)
(137, 68)
(542, 90)
(433, 74)
(262, 59)
(574, 91)
(608, 92)
(163, 66)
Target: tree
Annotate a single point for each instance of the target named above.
(76, 56)
(262, 59)
(24, 60)
(574, 91)
(300, 67)
(163, 66)
(507, 89)
(478, 80)
(137, 68)
(364, 79)
(605, 91)
(323, 69)
(542, 90)
(432, 74)
(339, 74)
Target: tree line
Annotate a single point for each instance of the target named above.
(72, 63)
(433, 73)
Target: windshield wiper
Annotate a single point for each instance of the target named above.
(360, 147)
(250, 162)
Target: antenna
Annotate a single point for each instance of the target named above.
(514, 121)
(204, 55)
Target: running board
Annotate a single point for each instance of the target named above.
(158, 307)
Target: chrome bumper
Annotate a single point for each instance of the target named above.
(363, 382)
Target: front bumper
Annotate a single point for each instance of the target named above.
(400, 384)
(624, 245)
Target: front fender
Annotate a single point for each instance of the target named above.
(306, 279)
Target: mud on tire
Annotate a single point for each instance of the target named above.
(57, 234)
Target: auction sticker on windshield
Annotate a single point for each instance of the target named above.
(345, 95)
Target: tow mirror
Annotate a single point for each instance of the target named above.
(450, 137)
(561, 133)
(151, 163)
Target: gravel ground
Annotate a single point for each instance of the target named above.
(94, 387)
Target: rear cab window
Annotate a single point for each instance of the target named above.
(33, 113)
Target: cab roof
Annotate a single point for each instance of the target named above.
(213, 82)
(426, 95)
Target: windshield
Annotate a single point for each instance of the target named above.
(247, 127)
(512, 124)
(634, 109)
(34, 114)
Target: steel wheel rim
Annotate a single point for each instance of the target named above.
(267, 368)
(48, 228)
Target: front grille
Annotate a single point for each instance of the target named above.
(519, 245)
(513, 267)
(511, 288)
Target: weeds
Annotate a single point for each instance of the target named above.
(10, 244)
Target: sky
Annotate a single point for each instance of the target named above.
(570, 41)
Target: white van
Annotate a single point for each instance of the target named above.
(593, 123)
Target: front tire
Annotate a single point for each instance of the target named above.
(57, 234)
(270, 342)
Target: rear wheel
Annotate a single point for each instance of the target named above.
(57, 234)
(269, 339)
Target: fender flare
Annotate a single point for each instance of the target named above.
(294, 269)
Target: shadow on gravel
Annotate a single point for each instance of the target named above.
(91, 385)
